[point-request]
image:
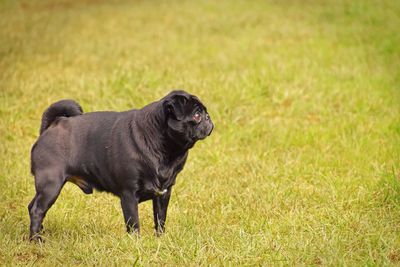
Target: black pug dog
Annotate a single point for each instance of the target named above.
(135, 155)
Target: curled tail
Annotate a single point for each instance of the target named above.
(62, 108)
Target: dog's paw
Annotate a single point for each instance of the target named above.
(159, 232)
(36, 239)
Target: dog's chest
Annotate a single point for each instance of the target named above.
(157, 184)
(163, 177)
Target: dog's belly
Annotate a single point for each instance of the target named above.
(81, 183)
(145, 196)
(145, 192)
(85, 184)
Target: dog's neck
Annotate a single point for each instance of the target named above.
(156, 137)
(155, 117)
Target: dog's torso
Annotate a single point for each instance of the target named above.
(109, 151)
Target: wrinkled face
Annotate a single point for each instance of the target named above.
(188, 120)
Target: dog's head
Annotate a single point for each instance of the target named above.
(187, 118)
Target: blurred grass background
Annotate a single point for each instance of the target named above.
(302, 168)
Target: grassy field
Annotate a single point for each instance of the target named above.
(303, 167)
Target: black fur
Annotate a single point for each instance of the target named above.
(62, 108)
(135, 155)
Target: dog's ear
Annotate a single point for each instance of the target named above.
(174, 104)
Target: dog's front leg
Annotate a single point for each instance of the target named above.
(129, 203)
(160, 206)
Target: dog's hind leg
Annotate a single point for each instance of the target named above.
(30, 207)
(48, 187)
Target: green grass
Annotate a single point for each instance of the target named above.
(302, 169)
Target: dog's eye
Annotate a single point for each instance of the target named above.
(197, 117)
